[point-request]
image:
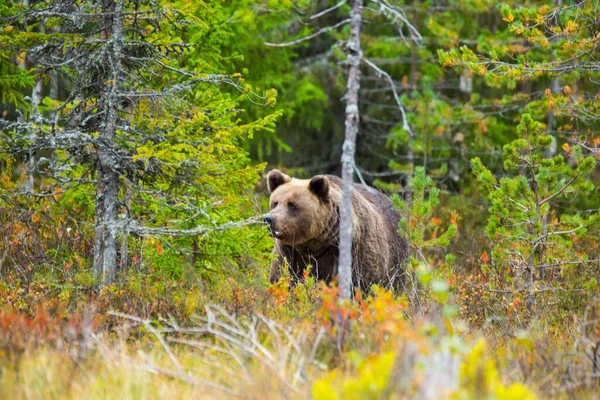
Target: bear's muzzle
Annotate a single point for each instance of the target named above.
(269, 220)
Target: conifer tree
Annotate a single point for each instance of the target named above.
(156, 141)
(543, 220)
(534, 243)
(547, 43)
(14, 75)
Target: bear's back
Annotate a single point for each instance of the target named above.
(382, 203)
(377, 245)
(384, 206)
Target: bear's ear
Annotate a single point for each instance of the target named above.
(319, 185)
(276, 178)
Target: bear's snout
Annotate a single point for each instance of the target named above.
(268, 220)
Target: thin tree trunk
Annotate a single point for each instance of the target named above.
(536, 251)
(36, 95)
(125, 235)
(414, 58)
(109, 256)
(555, 89)
(99, 226)
(414, 85)
(408, 190)
(348, 151)
(105, 253)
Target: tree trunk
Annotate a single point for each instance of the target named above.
(107, 195)
(125, 234)
(555, 89)
(99, 226)
(414, 85)
(36, 98)
(348, 151)
(414, 57)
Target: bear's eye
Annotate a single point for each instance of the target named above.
(292, 206)
(275, 203)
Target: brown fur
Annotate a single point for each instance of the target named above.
(307, 232)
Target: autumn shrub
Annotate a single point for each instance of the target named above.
(559, 362)
(43, 234)
(46, 259)
(393, 353)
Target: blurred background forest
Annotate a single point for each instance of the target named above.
(135, 137)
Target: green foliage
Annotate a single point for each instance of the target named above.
(419, 225)
(14, 77)
(522, 265)
(303, 102)
(424, 233)
(545, 47)
(535, 244)
(178, 150)
(542, 225)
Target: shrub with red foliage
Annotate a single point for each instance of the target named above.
(19, 331)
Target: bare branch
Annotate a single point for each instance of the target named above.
(314, 35)
(181, 373)
(200, 230)
(396, 13)
(379, 71)
(259, 341)
(330, 9)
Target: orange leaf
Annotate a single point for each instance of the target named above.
(454, 219)
(436, 221)
(404, 81)
(305, 274)
(484, 257)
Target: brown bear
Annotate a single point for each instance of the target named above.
(304, 220)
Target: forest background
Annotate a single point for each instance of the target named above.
(135, 139)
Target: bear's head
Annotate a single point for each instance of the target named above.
(300, 209)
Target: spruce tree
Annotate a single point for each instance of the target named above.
(156, 141)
